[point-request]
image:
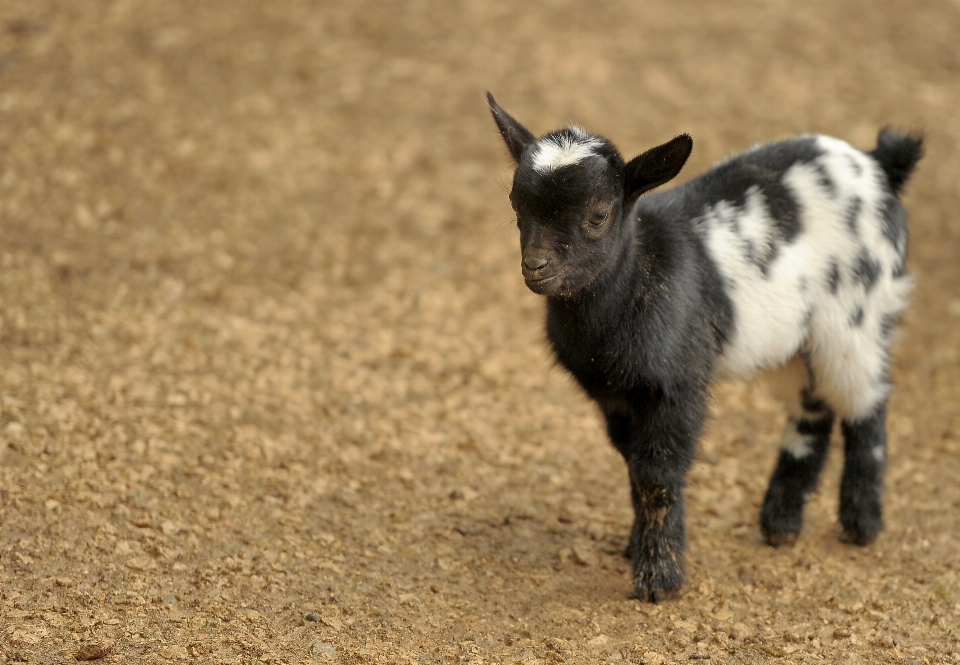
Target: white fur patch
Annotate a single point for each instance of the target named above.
(795, 443)
(564, 149)
(879, 454)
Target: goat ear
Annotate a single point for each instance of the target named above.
(656, 166)
(516, 136)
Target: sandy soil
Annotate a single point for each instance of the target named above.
(273, 390)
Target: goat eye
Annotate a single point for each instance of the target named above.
(599, 218)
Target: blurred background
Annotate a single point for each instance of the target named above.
(273, 389)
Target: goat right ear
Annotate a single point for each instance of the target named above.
(656, 166)
(516, 136)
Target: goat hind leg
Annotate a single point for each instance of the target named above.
(802, 456)
(861, 486)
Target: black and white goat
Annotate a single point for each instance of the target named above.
(788, 258)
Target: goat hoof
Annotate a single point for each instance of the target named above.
(655, 582)
(861, 522)
(780, 521)
(655, 596)
(778, 539)
(858, 537)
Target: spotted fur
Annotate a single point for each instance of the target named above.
(788, 259)
(825, 288)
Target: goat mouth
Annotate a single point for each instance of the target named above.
(542, 284)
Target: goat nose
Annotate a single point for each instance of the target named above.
(535, 262)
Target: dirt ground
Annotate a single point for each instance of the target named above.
(273, 390)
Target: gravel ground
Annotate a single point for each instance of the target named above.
(273, 390)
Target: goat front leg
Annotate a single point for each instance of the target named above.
(660, 449)
(658, 538)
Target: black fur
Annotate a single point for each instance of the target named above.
(853, 212)
(824, 180)
(866, 270)
(855, 166)
(856, 318)
(897, 154)
(895, 230)
(515, 135)
(833, 277)
(861, 486)
(781, 517)
(887, 327)
(656, 167)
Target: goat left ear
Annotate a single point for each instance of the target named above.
(516, 136)
(656, 166)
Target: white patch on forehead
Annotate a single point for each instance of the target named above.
(569, 147)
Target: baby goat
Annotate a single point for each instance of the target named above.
(787, 258)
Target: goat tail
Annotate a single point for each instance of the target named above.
(897, 153)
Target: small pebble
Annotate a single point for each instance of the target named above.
(463, 494)
(348, 497)
(323, 648)
(15, 429)
(94, 650)
(313, 617)
(585, 555)
(169, 528)
(174, 652)
(740, 631)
